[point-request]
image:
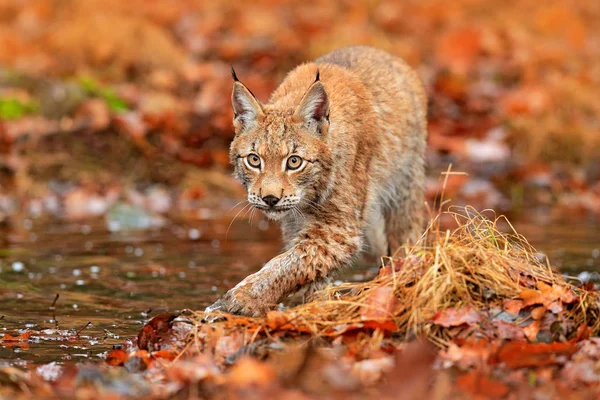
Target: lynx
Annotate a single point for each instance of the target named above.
(337, 156)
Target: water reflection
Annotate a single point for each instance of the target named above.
(112, 279)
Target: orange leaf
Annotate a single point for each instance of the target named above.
(538, 312)
(276, 319)
(531, 296)
(477, 384)
(248, 372)
(388, 325)
(23, 337)
(523, 355)
(165, 354)
(532, 330)
(456, 317)
(379, 304)
(513, 306)
(116, 357)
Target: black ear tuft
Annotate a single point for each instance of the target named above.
(318, 76)
(235, 78)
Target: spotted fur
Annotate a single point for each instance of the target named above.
(357, 119)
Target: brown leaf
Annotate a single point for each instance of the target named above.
(531, 331)
(381, 303)
(228, 344)
(513, 306)
(472, 353)
(459, 49)
(154, 331)
(531, 296)
(538, 312)
(116, 357)
(478, 384)
(165, 354)
(248, 372)
(276, 319)
(23, 337)
(456, 317)
(523, 355)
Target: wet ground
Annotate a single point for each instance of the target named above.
(115, 280)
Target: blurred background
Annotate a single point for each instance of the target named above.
(115, 120)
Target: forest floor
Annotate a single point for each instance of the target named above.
(105, 103)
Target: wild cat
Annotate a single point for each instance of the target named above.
(337, 156)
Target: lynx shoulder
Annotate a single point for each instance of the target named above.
(337, 156)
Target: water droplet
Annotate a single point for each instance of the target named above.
(182, 275)
(191, 265)
(80, 282)
(138, 252)
(19, 295)
(584, 276)
(94, 269)
(215, 244)
(76, 272)
(128, 249)
(18, 266)
(75, 306)
(86, 229)
(214, 288)
(194, 234)
(596, 253)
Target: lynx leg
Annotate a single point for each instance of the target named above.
(404, 220)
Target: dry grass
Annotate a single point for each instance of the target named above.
(474, 265)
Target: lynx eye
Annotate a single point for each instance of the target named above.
(294, 162)
(253, 160)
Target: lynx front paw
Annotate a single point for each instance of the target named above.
(237, 301)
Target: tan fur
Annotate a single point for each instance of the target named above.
(362, 129)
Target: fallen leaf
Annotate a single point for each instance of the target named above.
(478, 384)
(116, 357)
(23, 337)
(531, 331)
(456, 317)
(153, 332)
(248, 372)
(164, 354)
(513, 306)
(531, 296)
(523, 355)
(381, 303)
(538, 312)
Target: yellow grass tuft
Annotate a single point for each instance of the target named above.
(475, 265)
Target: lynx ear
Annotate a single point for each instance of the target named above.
(313, 110)
(246, 108)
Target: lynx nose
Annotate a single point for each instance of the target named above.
(270, 200)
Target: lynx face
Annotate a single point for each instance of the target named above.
(279, 154)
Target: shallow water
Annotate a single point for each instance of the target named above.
(117, 281)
